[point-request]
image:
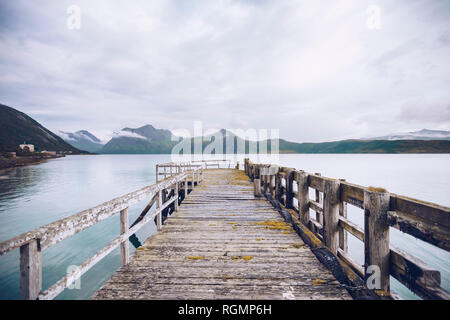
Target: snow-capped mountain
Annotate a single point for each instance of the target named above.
(83, 140)
(146, 139)
(423, 134)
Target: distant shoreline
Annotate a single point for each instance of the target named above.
(20, 161)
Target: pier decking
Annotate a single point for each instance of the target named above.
(224, 243)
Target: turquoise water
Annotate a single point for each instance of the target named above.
(35, 195)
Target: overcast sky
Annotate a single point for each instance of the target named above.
(316, 70)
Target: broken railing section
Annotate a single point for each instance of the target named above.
(32, 243)
(382, 210)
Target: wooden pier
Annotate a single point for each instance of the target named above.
(255, 233)
(224, 243)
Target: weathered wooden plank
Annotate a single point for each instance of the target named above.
(124, 246)
(313, 205)
(421, 210)
(351, 227)
(417, 275)
(30, 270)
(317, 182)
(376, 236)
(421, 228)
(353, 194)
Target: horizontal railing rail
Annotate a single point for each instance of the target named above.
(33, 242)
(214, 163)
(171, 168)
(423, 220)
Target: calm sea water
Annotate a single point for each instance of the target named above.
(35, 195)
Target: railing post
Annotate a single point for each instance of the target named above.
(157, 173)
(124, 246)
(343, 236)
(159, 215)
(272, 185)
(30, 270)
(277, 186)
(319, 200)
(185, 187)
(263, 179)
(289, 189)
(176, 196)
(331, 198)
(303, 197)
(257, 181)
(376, 236)
(192, 183)
(197, 176)
(257, 184)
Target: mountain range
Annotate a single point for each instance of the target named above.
(424, 134)
(83, 140)
(16, 128)
(149, 140)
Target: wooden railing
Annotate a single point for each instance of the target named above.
(213, 163)
(382, 210)
(32, 243)
(171, 168)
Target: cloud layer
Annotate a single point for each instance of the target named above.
(313, 69)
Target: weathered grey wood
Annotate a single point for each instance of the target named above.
(343, 237)
(421, 226)
(220, 245)
(159, 215)
(30, 270)
(145, 210)
(416, 275)
(353, 194)
(331, 199)
(176, 196)
(272, 185)
(319, 202)
(290, 176)
(315, 206)
(376, 235)
(257, 184)
(303, 197)
(124, 246)
(351, 227)
(278, 186)
(317, 182)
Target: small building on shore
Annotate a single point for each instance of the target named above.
(27, 147)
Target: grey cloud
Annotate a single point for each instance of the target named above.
(311, 69)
